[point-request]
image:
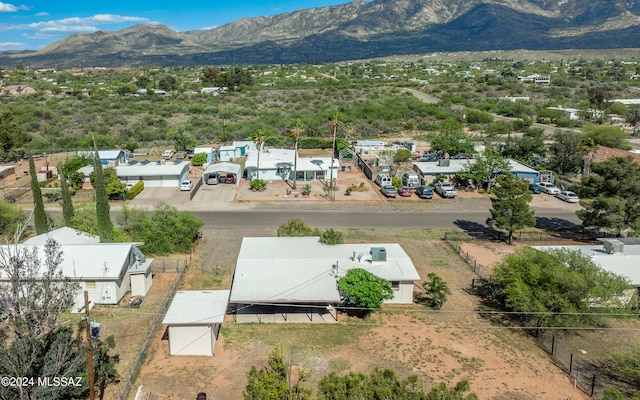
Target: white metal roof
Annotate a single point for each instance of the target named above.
(6, 167)
(456, 165)
(198, 150)
(284, 158)
(197, 307)
(87, 261)
(64, 236)
(301, 269)
(151, 169)
(103, 154)
(625, 264)
(223, 166)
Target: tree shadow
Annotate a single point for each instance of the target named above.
(470, 226)
(555, 223)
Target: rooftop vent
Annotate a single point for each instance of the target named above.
(613, 246)
(378, 254)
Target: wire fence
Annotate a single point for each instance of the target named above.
(489, 234)
(169, 265)
(129, 379)
(584, 374)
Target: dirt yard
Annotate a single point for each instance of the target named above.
(455, 343)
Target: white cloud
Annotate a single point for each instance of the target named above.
(5, 7)
(12, 45)
(41, 14)
(80, 24)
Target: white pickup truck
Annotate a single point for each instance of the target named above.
(446, 190)
(167, 154)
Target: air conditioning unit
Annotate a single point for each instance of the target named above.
(378, 254)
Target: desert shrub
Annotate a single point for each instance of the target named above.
(199, 159)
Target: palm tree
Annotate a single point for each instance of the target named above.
(258, 139)
(334, 122)
(294, 135)
(588, 148)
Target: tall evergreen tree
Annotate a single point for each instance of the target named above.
(40, 218)
(105, 226)
(511, 210)
(67, 205)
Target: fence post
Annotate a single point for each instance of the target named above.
(570, 363)
(473, 283)
(593, 384)
(553, 344)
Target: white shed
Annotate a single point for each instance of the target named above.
(193, 321)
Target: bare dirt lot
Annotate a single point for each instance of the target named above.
(455, 343)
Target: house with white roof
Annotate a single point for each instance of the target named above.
(618, 256)
(209, 151)
(278, 164)
(110, 158)
(449, 167)
(193, 321)
(294, 279)
(106, 270)
(153, 173)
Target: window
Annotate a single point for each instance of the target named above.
(90, 285)
(395, 285)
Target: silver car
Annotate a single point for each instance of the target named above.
(568, 196)
(549, 188)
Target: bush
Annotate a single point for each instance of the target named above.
(53, 196)
(135, 190)
(306, 190)
(331, 236)
(9, 198)
(258, 185)
(199, 159)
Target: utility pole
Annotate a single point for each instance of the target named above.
(92, 393)
(334, 126)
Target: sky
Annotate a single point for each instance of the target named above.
(33, 24)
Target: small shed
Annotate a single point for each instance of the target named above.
(193, 321)
(226, 153)
(209, 151)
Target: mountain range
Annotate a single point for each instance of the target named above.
(357, 30)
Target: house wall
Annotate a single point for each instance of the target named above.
(140, 284)
(156, 181)
(191, 340)
(226, 155)
(531, 177)
(403, 295)
(308, 176)
(268, 314)
(104, 292)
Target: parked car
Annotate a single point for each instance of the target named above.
(212, 179)
(201, 396)
(411, 179)
(446, 190)
(535, 188)
(185, 186)
(568, 196)
(167, 154)
(383, 180)
(230, 178)
(181, 155)
(424, 192)
(405, 191)
(549, 188)
(389, 191)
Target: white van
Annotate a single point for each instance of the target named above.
(411, 179)
(383, 180)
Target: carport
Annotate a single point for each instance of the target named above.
(226, 167)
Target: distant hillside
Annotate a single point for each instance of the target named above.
(359, 30)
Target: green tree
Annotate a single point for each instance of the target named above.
(524, 148)
(273, 381)
(113, 185)
(401, 155)
(294, 132)
(606, 135)
(297, 227)
(331, 236)
(486, 167)
(459, 392)
(12, 134)
(258, 138)
(10, 218)
(556, 287)
(67, 204)
(379, 384)
(40, 219)
(210, 75)
(565, 152)
(451, 139)
(104, 224)
(510, 203)
(104, 364)
(436, 289)
(131, 145)
(73, 164)
(199, 159)
(183, 140)
(599, 97)
(364, 289)
(612, 195)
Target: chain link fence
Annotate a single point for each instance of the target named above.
(129, 379)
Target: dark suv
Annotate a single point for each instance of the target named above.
(201, 396)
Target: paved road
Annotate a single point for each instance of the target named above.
(376, 219)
